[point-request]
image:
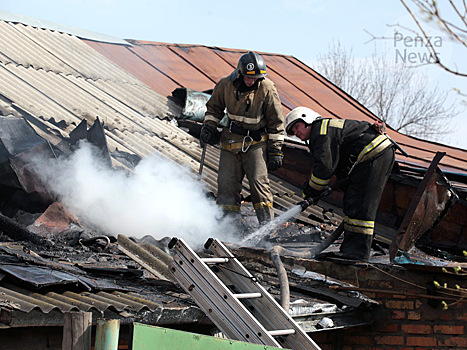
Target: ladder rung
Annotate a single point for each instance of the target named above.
(248, 295)
(232, 298)
(282, 332)
(215, 260)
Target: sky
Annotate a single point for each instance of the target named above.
(304, 29)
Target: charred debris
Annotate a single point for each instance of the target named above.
(51, 262)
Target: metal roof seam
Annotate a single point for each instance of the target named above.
(194, 66)
(160, 71)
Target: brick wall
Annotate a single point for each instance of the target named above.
(404, 319)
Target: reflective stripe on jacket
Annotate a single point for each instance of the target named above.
(251, 110)
(337, 145)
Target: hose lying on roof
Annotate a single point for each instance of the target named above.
(283, 279)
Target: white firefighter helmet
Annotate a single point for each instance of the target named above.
(303, 114)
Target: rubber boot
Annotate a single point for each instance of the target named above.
(264, 215)
(356, 246)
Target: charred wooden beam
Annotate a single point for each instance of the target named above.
(17, 232)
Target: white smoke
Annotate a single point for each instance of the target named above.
(160, 198)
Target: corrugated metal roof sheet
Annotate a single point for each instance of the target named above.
(200, 67)
(59, 80)
(81, 33)
(26, 301)
(58, 52)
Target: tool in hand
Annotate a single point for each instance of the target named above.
(201, 162)
(312, 201)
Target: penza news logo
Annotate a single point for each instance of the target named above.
(415, 49)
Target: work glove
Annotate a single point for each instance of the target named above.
(208, 135)
(275, 159)
(310, 192)
(312, 196)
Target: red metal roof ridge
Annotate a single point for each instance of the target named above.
(226, 49)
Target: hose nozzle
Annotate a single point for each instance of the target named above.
(312, 201)
(304, 204)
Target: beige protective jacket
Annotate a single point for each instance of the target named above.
(251, 110)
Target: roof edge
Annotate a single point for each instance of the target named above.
(213, 47)
(80, 33)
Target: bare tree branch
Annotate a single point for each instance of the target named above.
(455, 32)
(394, 92)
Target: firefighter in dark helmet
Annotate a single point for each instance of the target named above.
(350, 149)
(252, 141)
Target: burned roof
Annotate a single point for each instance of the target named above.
(65, 89)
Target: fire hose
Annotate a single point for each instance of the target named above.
(323, 245)
(276, 251)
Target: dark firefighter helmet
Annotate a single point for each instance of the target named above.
(252, 65)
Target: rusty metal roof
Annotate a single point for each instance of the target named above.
(165, 67)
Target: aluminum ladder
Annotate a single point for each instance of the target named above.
(233, 298)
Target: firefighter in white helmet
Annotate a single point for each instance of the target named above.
(252, 141)
(358, 154)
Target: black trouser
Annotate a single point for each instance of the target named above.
(361, 201)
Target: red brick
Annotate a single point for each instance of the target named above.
(416, 328)
(460, 342)
(421, 341)
(398, 315)
(390, 340)
(385, 285)
(446, 316)
(444, 329)
(414, 316)
(389, 327)
(399, 297)
(402, 305)
(359, 340)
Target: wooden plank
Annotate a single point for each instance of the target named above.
(77, 328)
